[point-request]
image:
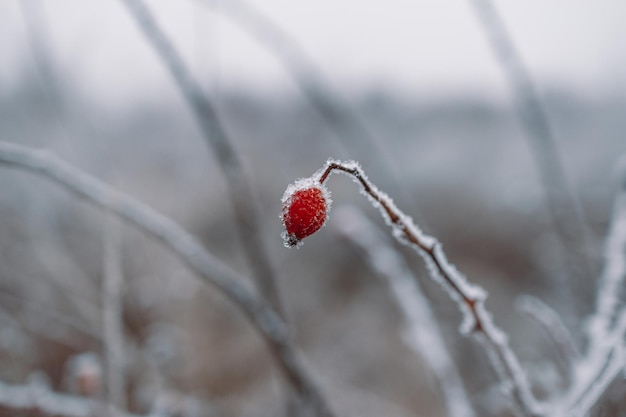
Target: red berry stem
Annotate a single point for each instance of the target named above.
(470, 298)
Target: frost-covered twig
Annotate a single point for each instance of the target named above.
(347, 124)
(39, 399)
(422, 332)
(614, 271)
(596, 375)
(240, 192)
(301, 217)
(565, 211)
(112, 314)
(605, 331)
(207, 267)
(553, 326)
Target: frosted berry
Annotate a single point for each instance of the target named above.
(305, 210)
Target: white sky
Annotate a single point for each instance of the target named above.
(415, 46)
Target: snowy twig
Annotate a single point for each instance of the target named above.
(553, 326)
(423, 334)
(112, 314)
(209, 268)
(605, 332)
(565, 211)
(594, 382)
(347, 124)
(614, 271)
(40, 399)
(470, 298)
(240, 192)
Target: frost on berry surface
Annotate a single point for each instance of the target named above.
(305, 208)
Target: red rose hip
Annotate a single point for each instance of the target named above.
(305, 210)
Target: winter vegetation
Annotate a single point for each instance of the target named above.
(478, 271)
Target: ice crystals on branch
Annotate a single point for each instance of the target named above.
(305, 211)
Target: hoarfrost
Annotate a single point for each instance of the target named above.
(470, 298)
(422, 333)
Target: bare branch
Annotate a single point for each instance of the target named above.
(37, 398)
(614, 271)
(469, 297)
(565, 211)
(422, 332)
(207, 267)
(240, 192)
(112, 314)
(347, 124)
(607, 329)
(596, 373)
(553, 326)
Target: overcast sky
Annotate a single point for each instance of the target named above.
(415, 46)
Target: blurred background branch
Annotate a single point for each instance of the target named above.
(565, 210)
(210, 269)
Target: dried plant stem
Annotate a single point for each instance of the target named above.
(347, 124)
(564, 208)
(112, 314)
(596, 372)
(69, 323)
(349, 127)
(469, 297)
(42, 401)
(614, 271)
(240, 192)
(551, 323)
(422, 332)
(605, 351)
(210, 269)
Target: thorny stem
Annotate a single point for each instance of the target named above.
(471, 298)
(396, 219)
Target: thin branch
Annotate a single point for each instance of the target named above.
(349, 127)
(422, 332)
(606, 327)
(71, 324)
(39, 38)
(469, 297)
(240, 192)
(555, 329)
(112, 313)
(597, 375)
(614, 270)
(41, 399)
(208, 268)
(565, 211)
(615, 365)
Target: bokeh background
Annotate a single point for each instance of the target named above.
(78, 78)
